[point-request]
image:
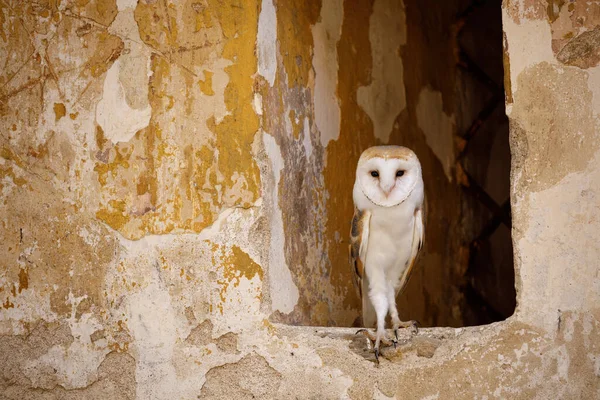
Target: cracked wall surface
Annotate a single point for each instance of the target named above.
(175, 182)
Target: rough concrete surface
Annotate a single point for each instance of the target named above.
(175, 195)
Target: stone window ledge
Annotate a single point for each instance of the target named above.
(508, 359)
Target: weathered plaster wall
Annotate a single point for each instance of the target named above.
(169, 186)
(555, 126)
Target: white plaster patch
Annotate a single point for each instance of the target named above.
(135, 60)
(126, 4)
(152, 321)
(215, 105)
(90, 235)
(521, 351)
(119, 121)
(242, 303)
(529, 43)
(284, 293)
(306, 140)
(276, 351)
(437, 126)
(326, 34)
(8, 185)
(76, 366)
(562, 256)
(266, 41)
(385, 97)
(152, 311)
(192, 279)
(257, 104)
(339, 380)
(29, 306)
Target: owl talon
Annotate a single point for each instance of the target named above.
(374, 343)
(371, 340)
(367, 334)
(414, 325)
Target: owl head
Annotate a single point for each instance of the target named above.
(387, 175)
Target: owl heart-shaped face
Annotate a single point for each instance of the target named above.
(388, 174)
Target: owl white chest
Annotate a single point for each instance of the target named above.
(390, 237)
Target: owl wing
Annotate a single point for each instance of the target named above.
(359, 239)
(416, 246)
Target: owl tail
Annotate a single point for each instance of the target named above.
(369, 317)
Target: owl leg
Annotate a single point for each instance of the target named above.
(396, 322)
(391, 298)
(380, 304)
(381, 309)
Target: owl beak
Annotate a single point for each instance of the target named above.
(388, 190)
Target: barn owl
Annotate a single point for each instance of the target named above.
(387, 233)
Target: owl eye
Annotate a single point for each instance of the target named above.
(399, 173)
(375, 174)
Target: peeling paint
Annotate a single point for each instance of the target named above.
(384, 98)
(306, 141)
(284, 293)
(76, 365)
(267, 41)
(118, 120)
(528, 43)
(326, 34)
(294, 27)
